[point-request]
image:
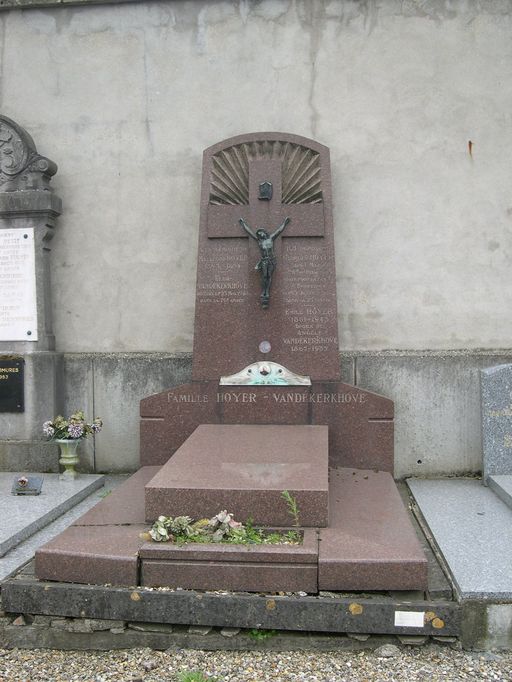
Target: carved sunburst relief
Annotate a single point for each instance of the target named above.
(301, 177)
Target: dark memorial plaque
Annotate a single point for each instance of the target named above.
(263, 179)
(11, 384)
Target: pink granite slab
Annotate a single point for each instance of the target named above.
(124, 505)
(360, 422)
(168, 418)
(245, 577)
(370, 543)
(361, 427)
(94, 555)
(249, 568)
(244, 469)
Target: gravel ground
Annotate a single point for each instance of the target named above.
(432, 663)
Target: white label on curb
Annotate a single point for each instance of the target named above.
(409, 619)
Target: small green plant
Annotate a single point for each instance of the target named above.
(293, 537)
(261, 635)
(195, 676)
(293, 509)
(104, 493)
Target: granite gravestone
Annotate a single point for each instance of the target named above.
(299, 328)
(496, 390)
(265, 180)
(266, 411)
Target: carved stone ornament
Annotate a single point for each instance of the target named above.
(265, 374)
(301, 176)
(21, 167)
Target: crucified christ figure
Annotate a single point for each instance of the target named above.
(267, 263)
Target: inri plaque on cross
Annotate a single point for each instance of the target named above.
(261, 180)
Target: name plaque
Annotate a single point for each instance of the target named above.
(27, 485)
(18, 304)
(12, 384)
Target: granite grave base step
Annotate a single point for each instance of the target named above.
(366, 547)
(250, 568)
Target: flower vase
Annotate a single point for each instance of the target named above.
(68, 458)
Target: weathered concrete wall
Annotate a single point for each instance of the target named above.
(437, 403)
(125, 97)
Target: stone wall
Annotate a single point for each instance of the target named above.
(413, 98)
(126, 96)
(437, 403)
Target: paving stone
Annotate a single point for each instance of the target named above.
(412, 640)
(43, 621)
(358, 636)
(78, 625)
(101, 624)
(59, 623)
(471, 527)
(151, 627)
(199, 630)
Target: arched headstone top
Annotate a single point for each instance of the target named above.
(300, 160)
(21, 167)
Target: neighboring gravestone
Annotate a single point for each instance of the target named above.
(496, 386)
(29, 367)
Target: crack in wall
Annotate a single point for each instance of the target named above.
(313, 19)
(93, 373)
(147, 121)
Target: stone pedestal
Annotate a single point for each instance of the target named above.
(244, 469)
(28, 210)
